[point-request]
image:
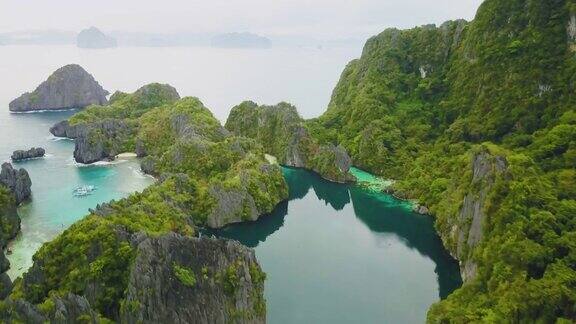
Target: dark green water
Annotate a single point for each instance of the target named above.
(343, 254)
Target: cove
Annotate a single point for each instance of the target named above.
(337, 253)
(53, 207)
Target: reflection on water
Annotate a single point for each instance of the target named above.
(348, 241)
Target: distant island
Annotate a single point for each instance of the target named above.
(94, 38)
(68, 87)
(240, 40)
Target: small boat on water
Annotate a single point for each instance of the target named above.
(82, 191)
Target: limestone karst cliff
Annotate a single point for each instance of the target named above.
(68, 87)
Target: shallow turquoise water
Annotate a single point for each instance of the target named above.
(346, 254)
(53, 207)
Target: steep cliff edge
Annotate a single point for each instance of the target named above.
(68, 87)
(206, 280)
(282, 132)
(14, 189)
(17, 181)
(476, 120)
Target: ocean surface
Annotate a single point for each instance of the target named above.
(333, 253)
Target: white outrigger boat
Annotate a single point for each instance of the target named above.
(82, 191)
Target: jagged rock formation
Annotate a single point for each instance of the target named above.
(68, 87)
(467, 228)
(14, 188)
(180, 141)
(32, 153)
(283, 134)
(156, 279)
(100, 141)
(18, 181)
(70, 308)
(206, 280)
(104, 139)
(94, 38)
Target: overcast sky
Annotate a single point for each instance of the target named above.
(317, 18)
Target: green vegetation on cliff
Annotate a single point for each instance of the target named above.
(205, 177)
(477, 121)
(282, 132)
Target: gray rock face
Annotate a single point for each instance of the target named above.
(486, 168)
(94, 38)
(198, 281)
(283, 133)
(342, 159)
(64, 129)
(332, 163)
(68, 87)
(32, 153)
(94, 141)
(21, 311)
(100, 141)
(235, 205)
(5, 282)
(18, 181)
(295, 155)
(67, 310)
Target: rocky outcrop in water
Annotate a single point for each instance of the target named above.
(97, 141)
(68, 87)
(64, 129)
(18, 181)
(94, 38)
(32, 153)
(282, 132)
(198, 281)
(103, 139)
(100, 141)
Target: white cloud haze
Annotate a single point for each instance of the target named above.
(317, 18)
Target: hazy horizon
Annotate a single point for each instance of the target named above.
(321, 19)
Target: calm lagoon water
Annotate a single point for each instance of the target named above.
(333, 253)
(345, 254)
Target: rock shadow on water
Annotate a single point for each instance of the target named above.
(380, 212)
(251, 234)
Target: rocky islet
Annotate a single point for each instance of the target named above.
(69, 87)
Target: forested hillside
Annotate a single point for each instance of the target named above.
(477, 121)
